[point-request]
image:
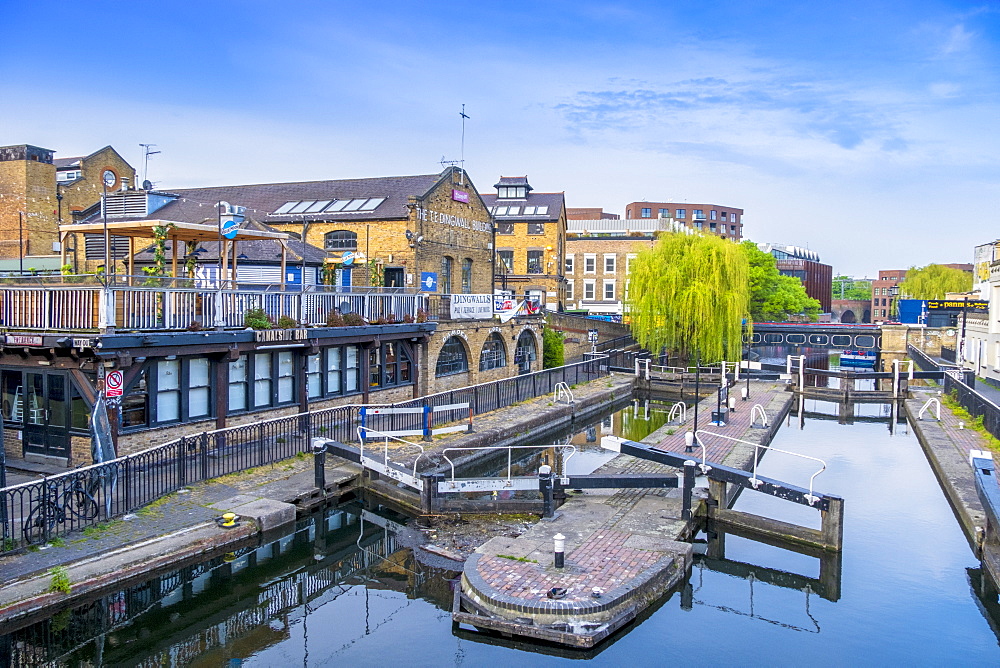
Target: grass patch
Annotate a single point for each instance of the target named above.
(58, 541)
(60, 580)
(99, 529)
(521, 559)
(974, 423)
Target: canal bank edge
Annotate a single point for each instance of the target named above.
(953, 471)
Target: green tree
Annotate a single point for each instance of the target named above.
(845, 287)
(553, 348)
(773, 297)
(690, 293)
(934, 281)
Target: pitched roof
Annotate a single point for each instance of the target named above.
(554, 201)
(66, 162)
(512, 181)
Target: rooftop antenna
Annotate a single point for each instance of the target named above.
(146, 152)
(461, 161)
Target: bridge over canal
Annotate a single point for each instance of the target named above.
(821, 335)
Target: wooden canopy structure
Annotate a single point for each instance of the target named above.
(178, 231)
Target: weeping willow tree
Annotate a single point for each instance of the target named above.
(934, 281)
(690, 294)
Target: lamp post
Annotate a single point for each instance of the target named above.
(697, 396)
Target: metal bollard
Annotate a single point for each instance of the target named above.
(689, 473)
(545, 487)
(319, 464)
(559, 550)
(688, 441)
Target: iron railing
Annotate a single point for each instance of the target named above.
(978, 406)
(37, 511)
(948, 354)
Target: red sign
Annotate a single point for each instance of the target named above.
(113, 384)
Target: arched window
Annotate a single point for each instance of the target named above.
(466, 276)
(445, 279)
(494, 355)
(526, 352)
(340, 240)
(452, 358)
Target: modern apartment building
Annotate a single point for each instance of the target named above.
(726, 221)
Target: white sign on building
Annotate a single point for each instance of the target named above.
(471, 307)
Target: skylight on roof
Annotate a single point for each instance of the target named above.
(302, 206)
(329, 205)
(285, 207)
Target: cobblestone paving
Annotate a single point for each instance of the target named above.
(602, 561)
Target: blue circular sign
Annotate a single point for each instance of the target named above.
(230, 229)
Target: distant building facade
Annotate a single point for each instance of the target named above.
(804, 264)
(725, 221)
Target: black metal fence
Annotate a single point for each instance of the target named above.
(948, 354)
(978, 406)
(38, 511)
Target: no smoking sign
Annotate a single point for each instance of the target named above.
(113, 384)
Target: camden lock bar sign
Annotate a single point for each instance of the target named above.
(477, 307)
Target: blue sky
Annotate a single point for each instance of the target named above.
(866, 131)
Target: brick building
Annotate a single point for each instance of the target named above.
(804, 264)
(530, 240)
(885, 290)
(38, 192)
(725, 221)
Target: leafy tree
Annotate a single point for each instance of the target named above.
(690, 293)
(553, 348)
(774, 297)
(845, 287)
(934, 281)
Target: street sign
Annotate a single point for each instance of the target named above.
(428, 281)
(592, 335)
(230, 228)
(113, 384)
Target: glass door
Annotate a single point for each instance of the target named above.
(45, 414)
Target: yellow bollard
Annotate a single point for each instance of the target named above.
(228, 520)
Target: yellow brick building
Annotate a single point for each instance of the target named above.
(531, 240)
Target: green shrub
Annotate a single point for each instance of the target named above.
(284, 322)
(60, 580)
(256, 318)
(553, 348)
(334, 319)
(354, 320)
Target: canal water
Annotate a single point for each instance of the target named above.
(343, 589)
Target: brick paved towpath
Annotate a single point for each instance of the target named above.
(623, 546)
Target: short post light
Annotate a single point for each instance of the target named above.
(689, 441)
(745, 391)
(559, 550)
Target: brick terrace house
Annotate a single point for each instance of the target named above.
(188, 362)
(531, 240)
(38, 192)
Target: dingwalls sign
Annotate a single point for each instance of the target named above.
(460, 195)
(476, 307)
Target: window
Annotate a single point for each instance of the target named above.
(505, 228)
(609, 263)
(446, 263)
(262, 379)
(625, 296)
(733, 218)
(513, 211)
(698, 214)
(569, 263)
(314, 376)
(168, 391)
(536, 228)
(173, 404)
(238, 385)
(286, 377)
(722, 215)
(664, 213)
(506, 258)
(388, 365)
(534, 262)
(466, 276)
(712, 226)
(494, 355)
(714, 214)
(569, 289)
(526, 352)
(680, 213)
(732, 229)
(698, 225)
(334, 366)
(590, 263)
(609, 290)
(647, 212)
(588, 289)
(628, 262)
(340, 240)
(511, 192)
(452, 358)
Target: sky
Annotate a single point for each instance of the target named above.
(866, 131)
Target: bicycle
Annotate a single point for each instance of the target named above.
(75, 502)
